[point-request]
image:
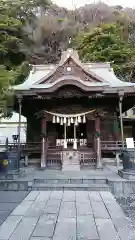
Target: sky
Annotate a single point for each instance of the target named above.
(77, 3)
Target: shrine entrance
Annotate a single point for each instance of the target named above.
(70, 129)
(71, 138)
(80, 131)
(72, 132)
(77, 132)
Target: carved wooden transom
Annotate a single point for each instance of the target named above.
(69, 91)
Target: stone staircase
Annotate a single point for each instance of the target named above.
(70, 160)
(71, 184)
(58, 183)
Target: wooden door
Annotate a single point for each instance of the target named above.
(51, 134)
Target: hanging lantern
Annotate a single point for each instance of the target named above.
(84, 119)
(69, 123)
(79, 119)
(61, 121)
(65, 120)
(54, 119)
(58, 119)
(72, 120)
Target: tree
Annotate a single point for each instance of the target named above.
(14, 15)
(50, 38)
(106, 44)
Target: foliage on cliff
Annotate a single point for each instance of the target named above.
(106, 43)
(37, 31)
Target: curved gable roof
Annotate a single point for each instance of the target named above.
(100, 74)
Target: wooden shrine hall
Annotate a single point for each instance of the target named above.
(74, 113)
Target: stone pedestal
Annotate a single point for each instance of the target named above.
(26, 161)
(71, 161)
(129, 175)
(43, 155)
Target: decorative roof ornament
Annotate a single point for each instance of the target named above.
(69, 69)
(66, 116)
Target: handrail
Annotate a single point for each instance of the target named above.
(105, 145)
(112, 145)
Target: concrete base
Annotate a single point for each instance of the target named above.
(12, 175)
(129, 175)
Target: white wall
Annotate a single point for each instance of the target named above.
(7, 130)
(9, 127)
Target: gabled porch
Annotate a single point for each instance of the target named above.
(71, 108)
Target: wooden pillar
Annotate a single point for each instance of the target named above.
(121, 119)
(116, 127)
(98, 143)
(43, 143)
(19, 127)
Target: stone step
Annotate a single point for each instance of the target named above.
(79, 187)
(14, 185)
(71, 161)
(70, 181)
(71, 167)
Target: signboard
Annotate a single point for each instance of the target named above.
(13, 160)
(130, 142)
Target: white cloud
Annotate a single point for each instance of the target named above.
(76, 3)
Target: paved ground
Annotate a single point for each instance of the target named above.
(67, 215)
(9, 201)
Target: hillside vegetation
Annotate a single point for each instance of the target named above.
(37, 31)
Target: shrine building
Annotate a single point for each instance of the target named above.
(74, 113)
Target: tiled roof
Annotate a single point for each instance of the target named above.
(103, 71)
